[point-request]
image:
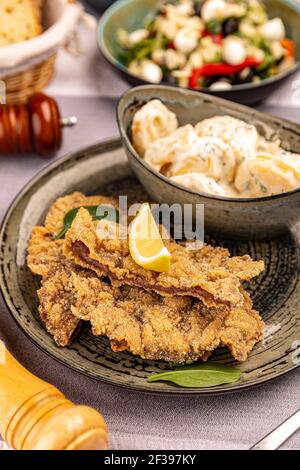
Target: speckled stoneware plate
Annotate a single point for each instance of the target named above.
(104, 169)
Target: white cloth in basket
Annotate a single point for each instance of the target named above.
(61, 20)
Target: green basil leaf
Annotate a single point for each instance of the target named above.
(208, 374)
(107, 212)
(268, 62)
(214, 26)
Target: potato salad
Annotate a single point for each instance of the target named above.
(207, 44)
(220, 155)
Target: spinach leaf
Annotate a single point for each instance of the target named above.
(97, 212)
(140, 51)
(214, 26)
(199, 376)
(269, 61)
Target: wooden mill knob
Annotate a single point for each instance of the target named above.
(35, 127)
(34, 415)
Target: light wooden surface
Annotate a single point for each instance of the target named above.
(37, 416)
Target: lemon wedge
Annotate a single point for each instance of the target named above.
(145, 243)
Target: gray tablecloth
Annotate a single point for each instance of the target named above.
(135, 420)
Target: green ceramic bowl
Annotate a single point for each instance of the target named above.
(130, 15)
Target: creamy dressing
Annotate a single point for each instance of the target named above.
(221, 155)
(242, 137)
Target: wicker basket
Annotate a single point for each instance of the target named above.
(21, 86)
(25, 82)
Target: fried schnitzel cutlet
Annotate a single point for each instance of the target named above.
(173, 328)
(45, 258)
(55, 217)
(208, 273)
(144, 323)
(56, 296)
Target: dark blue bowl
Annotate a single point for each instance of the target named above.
(130, 15)
(100, 5)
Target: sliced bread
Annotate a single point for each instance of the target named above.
(19, 21)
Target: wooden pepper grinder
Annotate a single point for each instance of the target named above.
(34, 415)
(35, 127)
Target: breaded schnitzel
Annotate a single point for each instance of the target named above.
(147, 324)
(55, 295)
(208, 273)
(173, 328)
(165, 328)
(45, 258)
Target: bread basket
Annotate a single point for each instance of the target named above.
(27, 67)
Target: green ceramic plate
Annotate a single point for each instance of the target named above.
(104, 169)
(130, 15)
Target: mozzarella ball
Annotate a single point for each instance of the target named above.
(151, 72)
(234, 51)
(137, 36)
(273, 30)
(185, 41)
(186, 7)
(213, 9)
(220, 85)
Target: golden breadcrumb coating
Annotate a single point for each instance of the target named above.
(55, 218)
(175, 328)
(45, 258)
(208, 273)
(56, 295)
(149, 325)
(171, 328)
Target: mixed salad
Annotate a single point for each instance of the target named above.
(207, 43)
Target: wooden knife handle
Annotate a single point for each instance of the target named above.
(35, 415)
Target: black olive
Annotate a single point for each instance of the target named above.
(170, 80)
(278, 62)
(198, 8)
(230, 26)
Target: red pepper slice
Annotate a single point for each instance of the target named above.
(217, 38)
(220, 69)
